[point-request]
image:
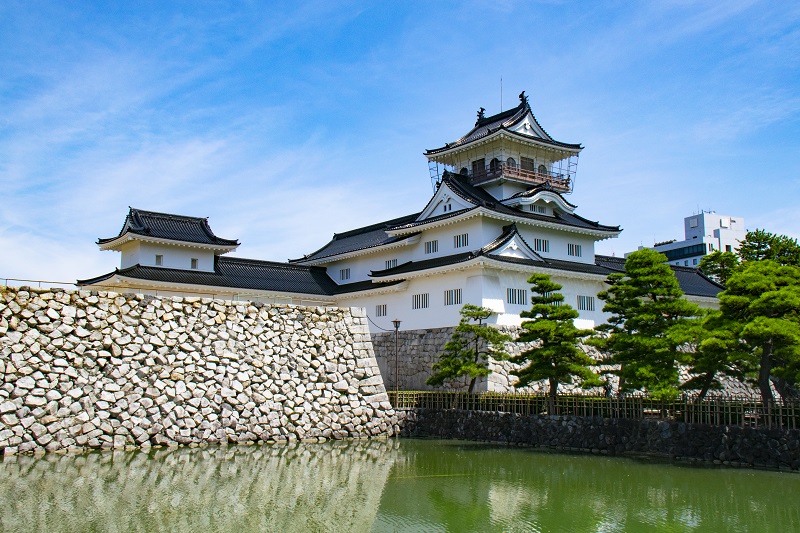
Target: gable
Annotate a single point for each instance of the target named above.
(444, 201)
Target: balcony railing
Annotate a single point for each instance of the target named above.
(559, 182)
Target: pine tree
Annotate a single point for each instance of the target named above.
(763, 299)
(468, 351)
(645, 303)
(759, 245)
(719, 265)
(557, 357)
(717, 352)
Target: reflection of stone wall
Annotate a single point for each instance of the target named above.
(331, 486)
(739, 446)
(88, 369)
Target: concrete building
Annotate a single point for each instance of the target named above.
(704, 233)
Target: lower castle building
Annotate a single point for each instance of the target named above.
(498, 214)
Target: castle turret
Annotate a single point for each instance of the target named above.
(508, 153)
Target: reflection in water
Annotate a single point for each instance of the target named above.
(380, 485)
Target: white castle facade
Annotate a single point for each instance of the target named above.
(498, 214)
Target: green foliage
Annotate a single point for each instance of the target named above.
(557, 357)
(762, 245)
(646, 304)
(717, 351)
(468, 351)
(719, 265)
(762, 299)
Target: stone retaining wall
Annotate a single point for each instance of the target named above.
(730, 445)
(419, 349)
(87, 369)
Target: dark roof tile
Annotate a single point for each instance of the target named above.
(172, 227)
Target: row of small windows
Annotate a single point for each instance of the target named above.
(455, 297)
(193, 262)
(520, 297)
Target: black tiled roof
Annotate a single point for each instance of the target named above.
(478, 196)
(359, 239)
(245, 274)
(506, 119)
(691, 280)
(172, 227)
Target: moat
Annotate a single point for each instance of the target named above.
(385, 485)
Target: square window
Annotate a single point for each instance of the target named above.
(380, 310)
(574, 250)
(344, 274)
(431, 247)
(420, 301)
(517, 296)
(541, 245)
(159, 260)
(391, 263)
(452, 297)
(459, 241)
(194, 262)
(585, 303)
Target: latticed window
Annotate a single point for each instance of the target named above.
(420, 301)
(391, 263)
(574, 250)
(541, 245)
(517, 296)
(585, 303)
(459, 241)
(452, 297)
(431, 247)
(380, 310)
(344, 274)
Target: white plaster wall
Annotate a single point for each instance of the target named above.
(178, 257)
(130, 254)
(558, 243)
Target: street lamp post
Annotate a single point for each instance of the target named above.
(396, 324)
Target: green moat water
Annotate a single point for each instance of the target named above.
(379, 485)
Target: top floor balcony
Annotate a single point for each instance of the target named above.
(481, 174)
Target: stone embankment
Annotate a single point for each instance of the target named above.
(730, 445)
(86, 369)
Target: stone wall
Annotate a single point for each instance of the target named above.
(730, 445)
(99, 369)
(419, 349)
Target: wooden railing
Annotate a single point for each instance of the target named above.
(557, 181)
(727, 411)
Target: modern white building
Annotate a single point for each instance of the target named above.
(498, 214)
(704, 233)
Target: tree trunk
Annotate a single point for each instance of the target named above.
(707, 385)
(552, 399)
(472, 385)
(764, 371)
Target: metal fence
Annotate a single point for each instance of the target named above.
(719, 410)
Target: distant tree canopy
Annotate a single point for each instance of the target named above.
(757, 245)
(468, 351)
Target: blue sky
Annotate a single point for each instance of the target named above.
(284, 122)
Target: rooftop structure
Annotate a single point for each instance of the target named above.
(704, 233)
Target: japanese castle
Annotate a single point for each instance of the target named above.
(498, 214)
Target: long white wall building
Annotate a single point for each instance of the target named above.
(498, 214)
